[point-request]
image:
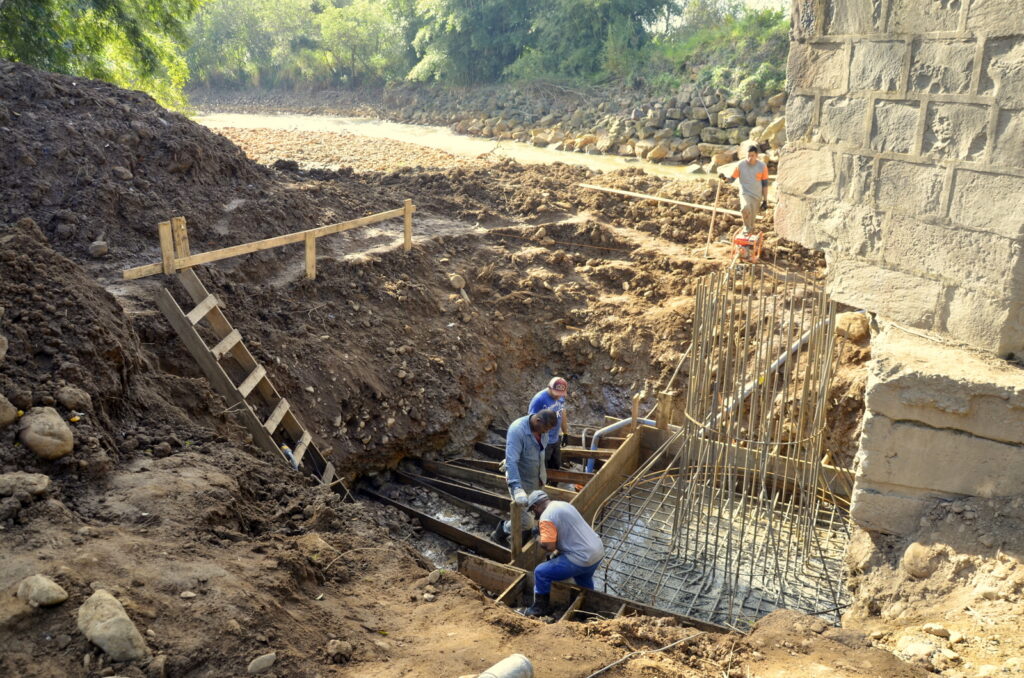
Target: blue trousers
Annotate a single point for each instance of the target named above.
(559, 569)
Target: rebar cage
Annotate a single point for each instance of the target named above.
(730, 519)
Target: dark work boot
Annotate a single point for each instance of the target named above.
(540, 607)
(498, 535)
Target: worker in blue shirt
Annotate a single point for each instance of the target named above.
(553, 398)
(524, 461)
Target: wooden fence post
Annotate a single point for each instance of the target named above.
(180, 232)
(516, 528)
(408, 225)
(310, 256)
(635, 412)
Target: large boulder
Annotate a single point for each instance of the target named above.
(714, 135)
(40, 591)
(731, 117)
(44, 432)
(105, 623)
(659, 152)
(8, 412)
(4, 343)
(690, 128)
(689, 153)
(74, 398)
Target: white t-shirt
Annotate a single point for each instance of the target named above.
(562, 523)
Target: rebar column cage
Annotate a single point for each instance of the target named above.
(728, 519)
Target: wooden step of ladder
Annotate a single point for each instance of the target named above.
(256, 391)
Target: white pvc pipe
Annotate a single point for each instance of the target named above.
(513, 666)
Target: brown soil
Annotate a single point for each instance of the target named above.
(164, 493)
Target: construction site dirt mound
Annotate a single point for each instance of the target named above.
(218, 552)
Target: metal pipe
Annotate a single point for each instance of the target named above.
(611, 428)
(513, 666)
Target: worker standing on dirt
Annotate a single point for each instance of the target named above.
(524, 461)
(753, 176)
(553, 398)
(579, 548)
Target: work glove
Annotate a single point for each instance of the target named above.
(764, 204)
(519, 497)
(565, 439)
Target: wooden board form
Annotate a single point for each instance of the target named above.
(491, 481)
(473, 494)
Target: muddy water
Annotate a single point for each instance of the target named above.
(440, 138)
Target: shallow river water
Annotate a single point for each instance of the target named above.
(440, 138)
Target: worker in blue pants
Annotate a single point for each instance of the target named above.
(579, 549)
(553, 398)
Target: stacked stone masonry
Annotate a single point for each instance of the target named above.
(942, 422)
(905, 160)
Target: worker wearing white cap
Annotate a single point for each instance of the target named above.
(553, 398)
(579, 548)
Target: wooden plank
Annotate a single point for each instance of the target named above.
(516, 529)
(328, 474)
(473, 494)
(204, 307)
(166, 248)
(407, 230)
(634, 411)
(310, 257)
(180, 233)
(487, 574)
(259, 245)
(448, 497)
(276, 416)
(644, 196)
(226, 344)
(255, 377)
(478, 544)
(584, 453)
(489, 480)
(665, 400)
(488, 450)
(575, 605)
(615, 471)
(514, 591)
(302, 446)
(574, 477)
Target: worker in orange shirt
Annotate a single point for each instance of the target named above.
(753, 176)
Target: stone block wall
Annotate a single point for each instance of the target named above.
(905, 161)
(941, 422)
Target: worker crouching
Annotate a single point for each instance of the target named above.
(579, 548)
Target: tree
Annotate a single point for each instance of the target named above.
(134, 43)
(366, 38)
(470, 41)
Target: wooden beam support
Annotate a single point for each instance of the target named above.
(170, 263)
(255, 377)
(467, 539)
(310, 257)
(180, 233)
(516, 532)
(464, 504)
(573, 606)
(473, 494)
(199, 312)
(301, 446)
(408, 209)
(226, 344)
(276, 416)
(166, 248)
(485, 479)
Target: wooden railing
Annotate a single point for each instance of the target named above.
(175, 254)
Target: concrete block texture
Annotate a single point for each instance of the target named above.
(988, 202)
(1009, 142)
(884, 509)
(842, 121)
(1002, 71)
(818, 66)
(894, 126)
(941, 66)
(844, 17)
(995, 18)
(914, 110)
(924, 16)
(945, 387)
(940, 460)
(877, 65)
(958, 131)
(910, 187)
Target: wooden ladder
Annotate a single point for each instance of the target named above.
(269, 417)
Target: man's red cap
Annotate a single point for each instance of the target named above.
(558, 386)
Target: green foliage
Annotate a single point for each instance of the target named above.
(741, 51)
(470, 41)
(132, 43)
